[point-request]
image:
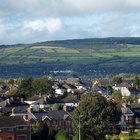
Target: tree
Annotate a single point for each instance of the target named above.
(45, 132)
(96, 115)
(11, 81)
(25, 88)
(136, 82)
(117, 80)
(61, 135)
(117, 96)
(36, 131)
(42, 85)
(56, 106)
(12, 92)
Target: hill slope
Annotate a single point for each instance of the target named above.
(84, 56)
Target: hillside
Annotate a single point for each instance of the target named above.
(97, 56)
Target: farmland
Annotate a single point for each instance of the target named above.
(117, 53)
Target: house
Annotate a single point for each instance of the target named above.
(36, 99)
(80, 85)
(15, 128)
(127, 117)
(121, 86)
(8, 103)
(129, 91)
(57, 119)
(59, 89)
(130, 116)
(71, 101)
(126, 89)
(70, 88)
(104, 91)
(43, 102)
(135, 108)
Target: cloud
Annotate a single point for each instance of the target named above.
(67, 7)
(51, 25)
(41, 20)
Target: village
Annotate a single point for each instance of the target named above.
(19, 115)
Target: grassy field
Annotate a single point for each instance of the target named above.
(88, 54)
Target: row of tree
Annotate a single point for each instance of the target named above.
(29, 87)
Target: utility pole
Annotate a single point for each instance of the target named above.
(79, 129)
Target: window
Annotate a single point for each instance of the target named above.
(124, 128)
(10, 129)
(10, 138)
(138, 119)
(60, 123)
(54, 122)
(21, 128)
(48, 123)
(21, 137)
(68, 123)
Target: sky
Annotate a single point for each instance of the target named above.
(28, 21)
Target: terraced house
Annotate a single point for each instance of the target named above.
(15, 128)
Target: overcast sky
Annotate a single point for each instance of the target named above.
(26, 21)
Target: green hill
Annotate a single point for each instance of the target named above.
(84, 56)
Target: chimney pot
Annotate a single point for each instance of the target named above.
(25, 117)
(30, 110)
(65, 108)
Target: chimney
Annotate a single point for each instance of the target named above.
(65, 108)
(25, 117)
(13, 111)
(22, 101)
(30, 110)
(8, 101)
(124, 105)
(40, 94)
(11, 98)
(45, 99)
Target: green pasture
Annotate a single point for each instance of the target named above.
(69, 53)
(65, 50)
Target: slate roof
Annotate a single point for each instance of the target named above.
(135, 105)
(8, 121)
(136, 111)
(54, 115)
(124, 84)
(69, 99)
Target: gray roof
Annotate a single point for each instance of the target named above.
(8, 121)
(124, 84)
(55, 115)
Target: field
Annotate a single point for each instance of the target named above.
(95, 54)
(35, 54)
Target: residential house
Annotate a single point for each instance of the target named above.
(42, 102)
(126, 89)
(8, 103)
(127, 117)
(104, 91)
(59, 89)
(71, 101)
(130, 116)
(15, 128)
(135, 108)
(57, 119)
(121, 86)
(70, 88)
(130, 91)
